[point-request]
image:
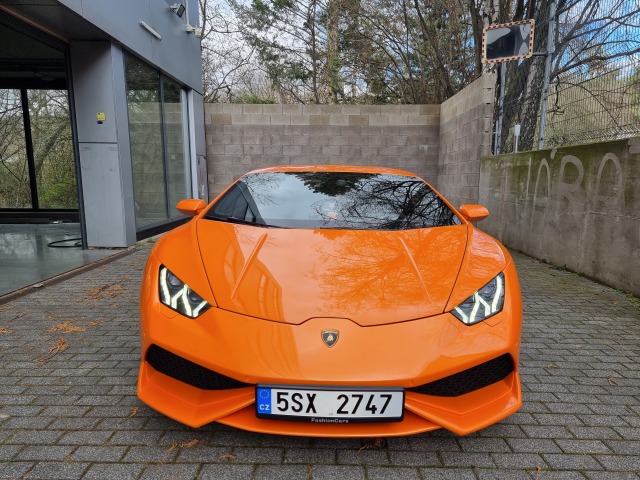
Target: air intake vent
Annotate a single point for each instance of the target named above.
(469, 380)
(188, 372)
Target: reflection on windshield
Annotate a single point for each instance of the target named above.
(335, 200)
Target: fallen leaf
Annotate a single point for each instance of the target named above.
(611, 381)
(133, 412)
(538, 469)
(94, 323)
(173, 446)
(228, 456)
(60, 346)
(112, 290)
(97, 291)
(4, 330)
(376, 443)
(66, 327)
(552, 365)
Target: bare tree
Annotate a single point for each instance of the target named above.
(230, 67)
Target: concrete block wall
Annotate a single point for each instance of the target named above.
(574, 206)
(465, 136)
(244, 137)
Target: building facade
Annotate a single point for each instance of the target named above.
(101, 115)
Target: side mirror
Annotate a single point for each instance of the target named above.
(191, 206)
(473, 213)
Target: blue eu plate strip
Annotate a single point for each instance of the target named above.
(263, 397)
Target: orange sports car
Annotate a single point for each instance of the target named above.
(333, 302)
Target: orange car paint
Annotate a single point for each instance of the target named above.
(274, 290)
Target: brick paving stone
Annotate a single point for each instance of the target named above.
(227, 472)
(627, 447)
(583, 446)
(13, 470)
(283, 472)
(612, 475)
(628, 463)
(557, 475)
(34, 437)
(155, 453)
(45, 453)
(203, 454)
(331, 472)
(418, 459)
(465, 459)
(310, 455)
(533, 445)
(518, 460)
(392, 473)
(484, 445)
(84, 437)
(365, 457)
(258, 455)
(112, 471)
(75, 414)
(178, 471)
(98, 454)
(448, 473)
(492, 474)
(8, 452)
(57, 471)
(571, 461)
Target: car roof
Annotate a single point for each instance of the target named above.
(333, 168)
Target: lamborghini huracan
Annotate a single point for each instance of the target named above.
(331, 301)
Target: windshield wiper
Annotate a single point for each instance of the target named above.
(240, 221)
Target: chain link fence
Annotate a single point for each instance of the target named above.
(594, 79)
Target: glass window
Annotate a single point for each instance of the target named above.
(145, 131)
(15, 189)
(339, 200)
(178, 171)
(159, 143)
(54, 162)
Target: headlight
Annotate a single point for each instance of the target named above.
(177, 295)
(483, 304)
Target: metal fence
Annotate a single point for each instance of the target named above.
(593, 79)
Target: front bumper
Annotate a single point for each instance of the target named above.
(235, 407)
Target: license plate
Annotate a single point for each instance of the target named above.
(330, 404)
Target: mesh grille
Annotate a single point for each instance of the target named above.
(469, 380)
(188, 372)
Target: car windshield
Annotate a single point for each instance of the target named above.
(335, 200)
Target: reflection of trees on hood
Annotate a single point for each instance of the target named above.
(328, 184)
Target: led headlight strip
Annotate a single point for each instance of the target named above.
(483, 304)
(177, 295)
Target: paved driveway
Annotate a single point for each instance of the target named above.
(68, 409)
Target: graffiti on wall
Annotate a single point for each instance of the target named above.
(570, 189)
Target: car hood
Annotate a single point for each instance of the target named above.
(369, 277)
